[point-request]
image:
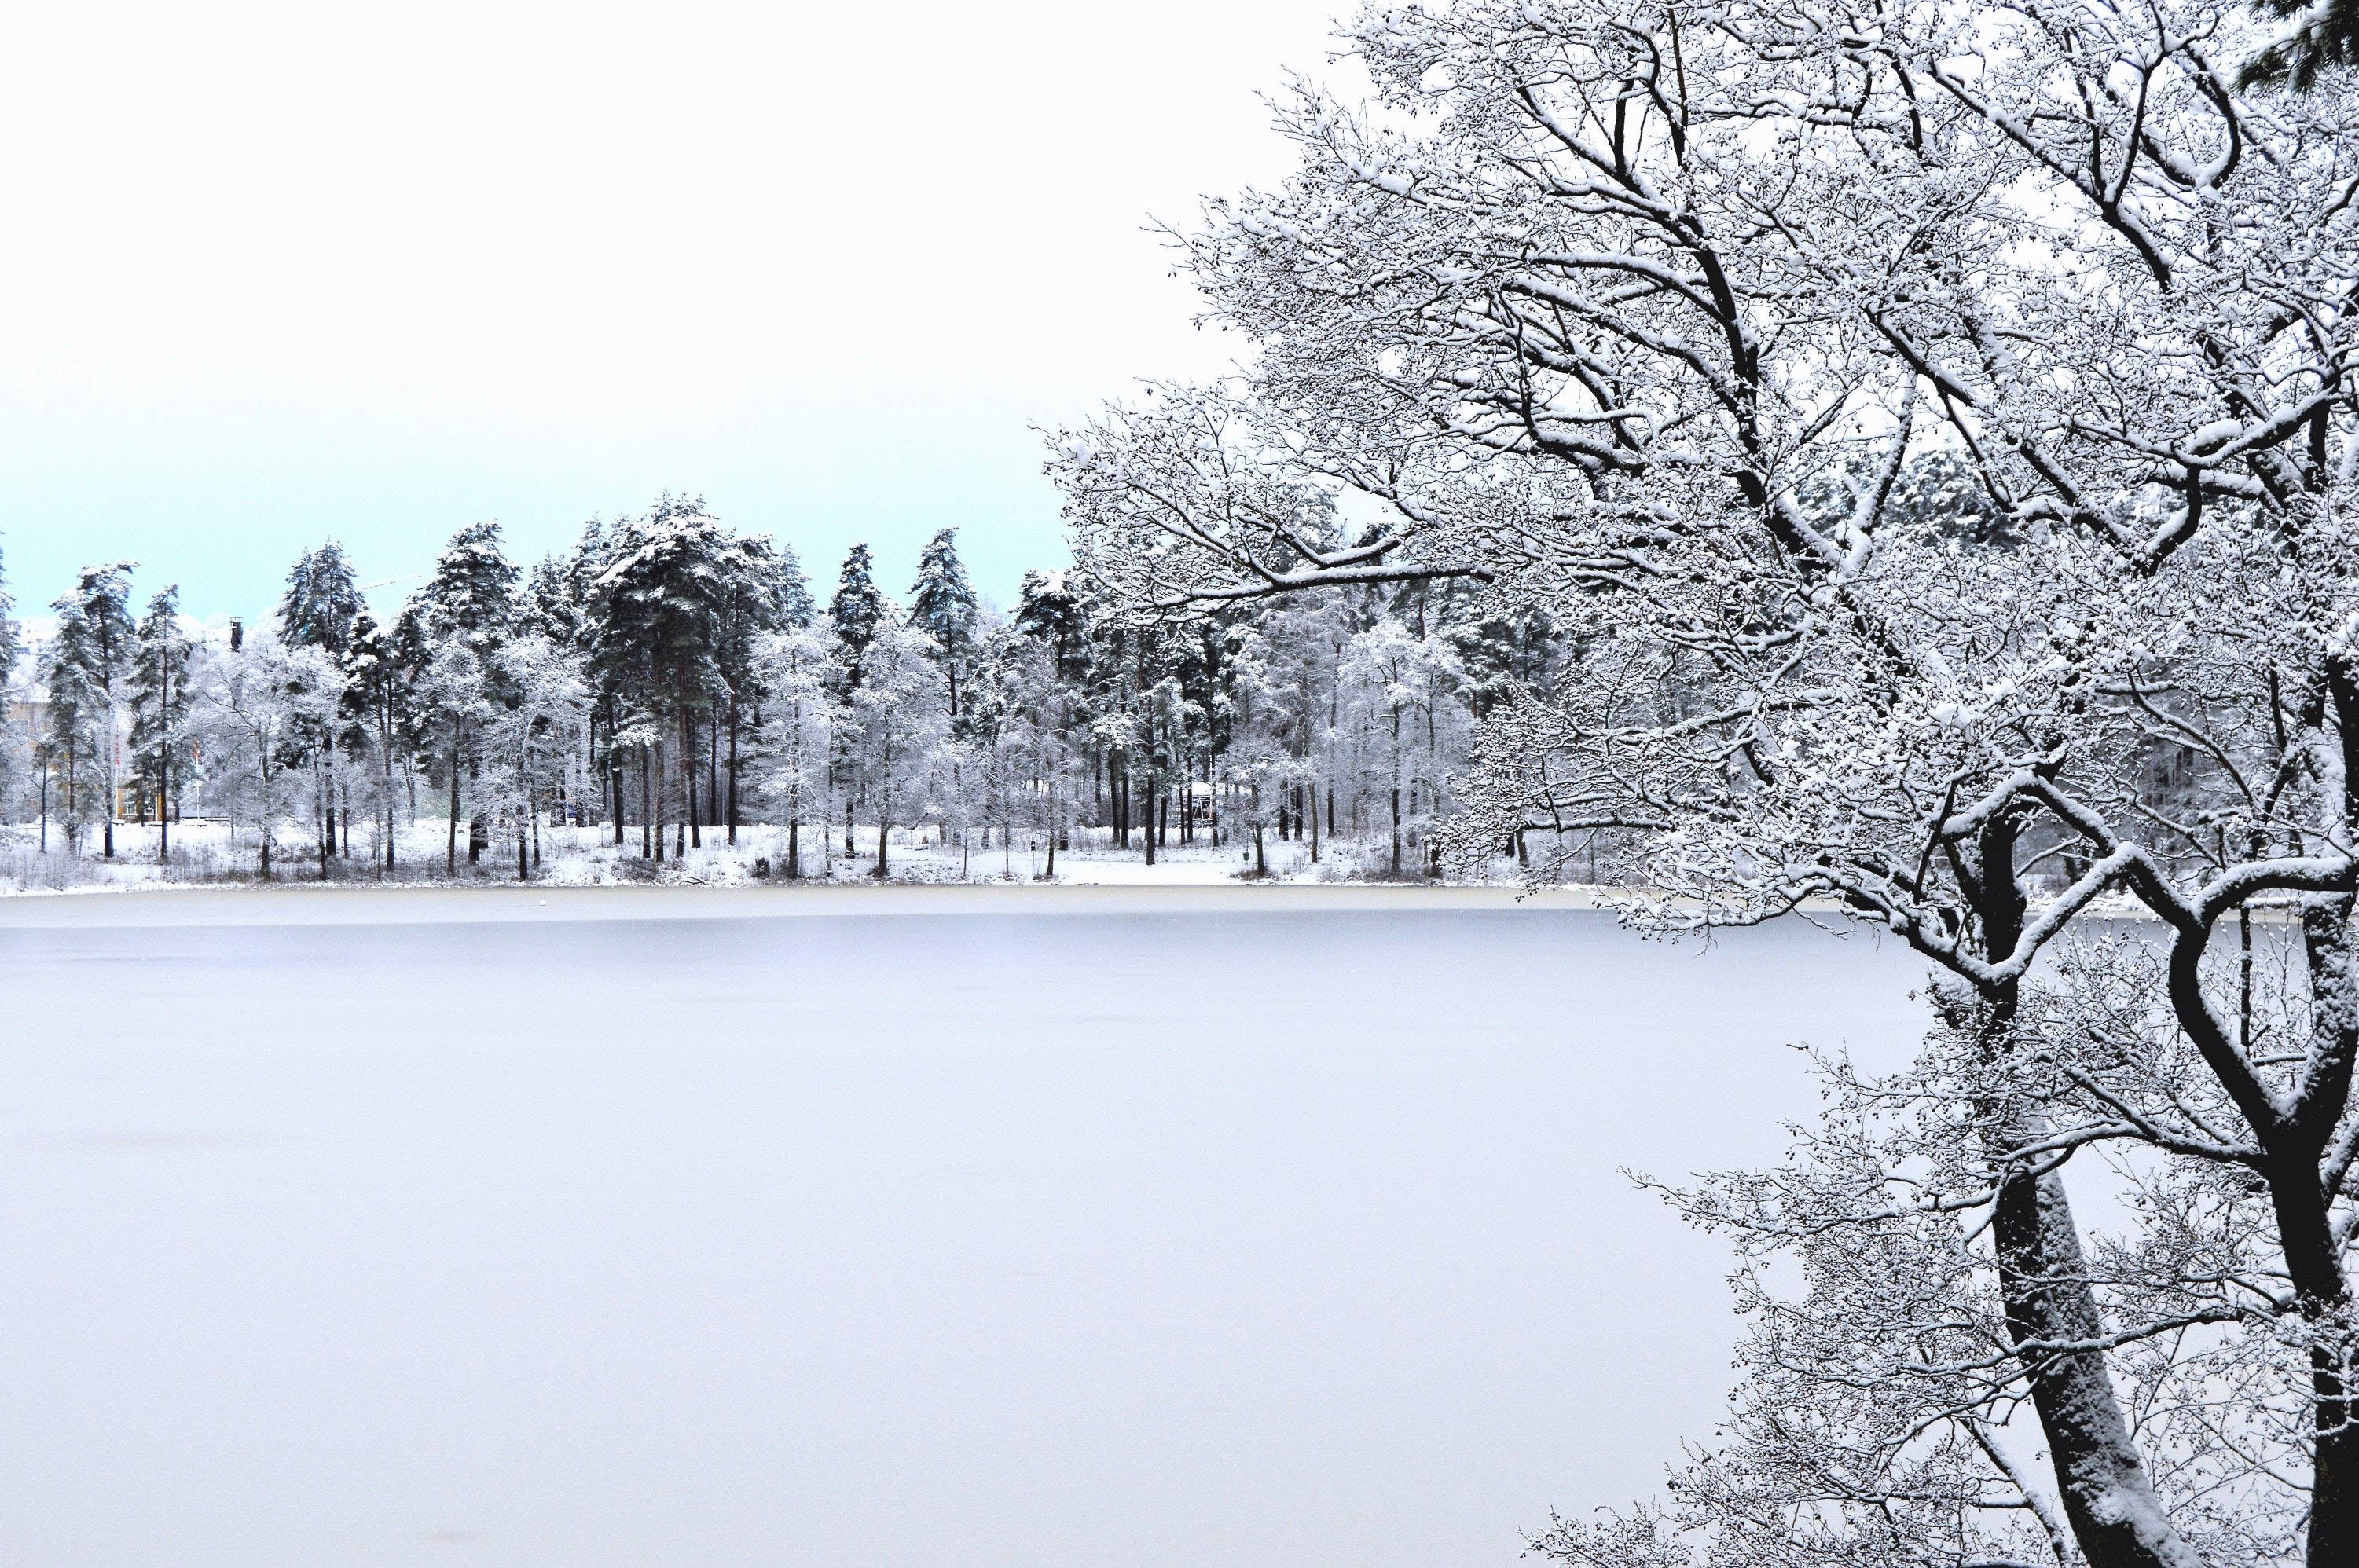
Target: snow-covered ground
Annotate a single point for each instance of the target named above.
(927, 1229)
(209, 851)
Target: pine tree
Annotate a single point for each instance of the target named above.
(762, 591)
(554, 604)
(2318, 34)
(1048, 607)
(157, 689)
(376, 708)
(662, 601)
(70, 712)
(467, 607)
(321, 603)
(852, 617)
(89, 659)
(942, 606)
(472, 595)
(853, 614)
(796, 608)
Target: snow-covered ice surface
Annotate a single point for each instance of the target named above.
(946, 1228)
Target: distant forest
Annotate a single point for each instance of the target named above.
(671, 680)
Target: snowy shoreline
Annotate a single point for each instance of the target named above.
(344, 903)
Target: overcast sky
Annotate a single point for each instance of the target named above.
(281, 273)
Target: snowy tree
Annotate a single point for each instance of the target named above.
(455, 694)
(1641, 318)
(681, 604)
(254, 708)
(84, 668)
(892, 725)
(548, 702)
(158, 695)
(322, 602)
(467, 607)
(379, 716)
(796, 673)
(854, 614)
(321, 605)
(942, 606)
(764, 591)
(1405, 680)
(471, 596)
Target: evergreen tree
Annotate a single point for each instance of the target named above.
(321, 603)
(472, 595)
(70, 721)
(157, 689)
(467, 607)
(2318, 35)
(662, 601)
(762, 591)
(556, 605)
(942, 606)
(377, 711)
(1048, 607)
(853, 616)
(89, 659)
(796, 608)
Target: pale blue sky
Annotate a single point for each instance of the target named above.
(283, 272)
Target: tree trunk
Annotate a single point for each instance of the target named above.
(688, 778)
(1397, 828)
(450, 851)
(1146, 824)
(2306, 1232)
(164, 790)
(2045, 1290)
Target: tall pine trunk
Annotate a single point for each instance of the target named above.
(450, 851)
(733, 770)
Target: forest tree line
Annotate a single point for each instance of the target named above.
(669, 677)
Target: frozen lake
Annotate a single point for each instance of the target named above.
(1232, 1231)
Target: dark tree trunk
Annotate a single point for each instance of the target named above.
(451, 850)
(688, 778)
(1396, 829)
(2045, 1289)
(164, 791)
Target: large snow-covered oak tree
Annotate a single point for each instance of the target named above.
(1647, 315)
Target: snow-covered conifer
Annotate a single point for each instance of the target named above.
(157, 692)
